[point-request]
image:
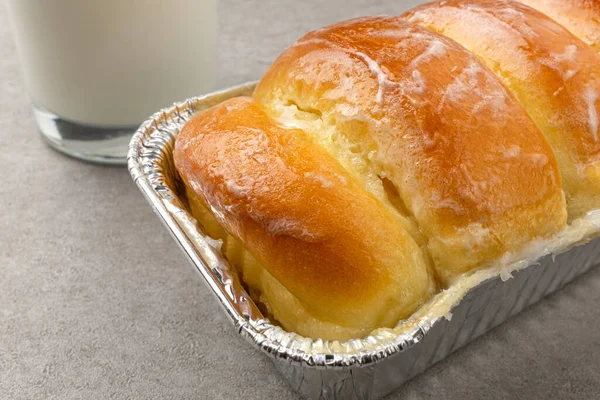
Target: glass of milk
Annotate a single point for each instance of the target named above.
(96, 69)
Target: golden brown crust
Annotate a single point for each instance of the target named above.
(580, 17)
(370, 151)
(468, 163)
(339, 252)
(555, 76)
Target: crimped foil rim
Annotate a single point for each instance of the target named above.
(150, 145)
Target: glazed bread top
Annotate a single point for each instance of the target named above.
(555, 76)
(580, 17)
(374, 158)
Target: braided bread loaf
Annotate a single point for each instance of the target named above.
(377, 160)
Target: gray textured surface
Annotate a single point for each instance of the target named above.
(96, 300)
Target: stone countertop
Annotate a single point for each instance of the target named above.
(97, 301)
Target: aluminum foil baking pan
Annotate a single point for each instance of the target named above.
(371, 367)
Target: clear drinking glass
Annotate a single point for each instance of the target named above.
(95, 69)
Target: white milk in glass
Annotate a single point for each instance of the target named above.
(97, 69)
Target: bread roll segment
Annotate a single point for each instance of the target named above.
(417, 111)
(580, 17)
(338, 256)
(555, 76)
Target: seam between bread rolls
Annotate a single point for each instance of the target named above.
(354, 156)
(352, 152)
